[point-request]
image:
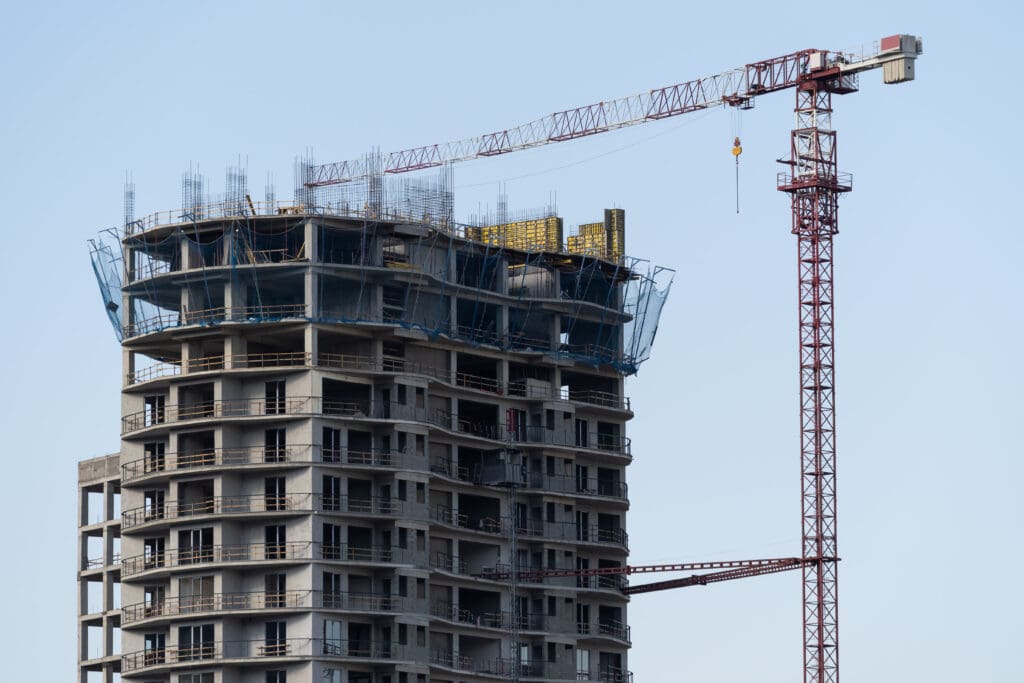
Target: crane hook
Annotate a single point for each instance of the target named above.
(737, 150)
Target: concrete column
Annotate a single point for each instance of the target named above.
(127, 364)
(311, 344)
(501, 323)
(311, 234)
(503, 375)
(186, 356)
(234, 351)
(108, 501)
(185, 300)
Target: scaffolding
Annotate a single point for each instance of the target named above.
(389, 254)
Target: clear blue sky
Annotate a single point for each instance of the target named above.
(929, 282)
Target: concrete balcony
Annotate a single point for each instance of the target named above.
(214, 316)
(262, 504)
(217, 554)
(215, 651)
(504, 620)
(156, 466)
(446, 515)
(217, 602)
(192, 366)
(616, 630)
(161, 466)
(218, 505)
(259, 651)
(227, 408)
(197, 605)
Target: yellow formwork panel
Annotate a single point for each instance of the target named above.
(615, 221)
(591, 243)
(605, 240)
(540, 233)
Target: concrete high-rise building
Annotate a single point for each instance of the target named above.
(340, 431)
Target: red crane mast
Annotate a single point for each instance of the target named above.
(814, 184)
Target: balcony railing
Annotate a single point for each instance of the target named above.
(252, 552)
(517, 388)
(374, 457)
(359, 648)
(260, 552)
(215, 409)
(532, 574)
(611, 629)
(364, 602)
(211, 316)
(568, 531)
(445, 515)
(501, 620)
(315, 405)
(450, 660)
(262, 600)
(447, 563)
(596, 534)
(585, 486)
(504, 667)
(216, 505)
(216, 602)
(358, 553)
(215, 457)
(216, 650)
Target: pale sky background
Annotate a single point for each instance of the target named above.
(929, 283)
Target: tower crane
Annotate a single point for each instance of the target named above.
(814, 183)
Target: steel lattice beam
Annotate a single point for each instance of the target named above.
(814, 186)
(704, 579)
(540, 574)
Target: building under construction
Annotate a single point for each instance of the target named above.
(345, 418)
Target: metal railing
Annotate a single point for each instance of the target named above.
(155, 465)
(596, 534)
(98, 562)
(517, 388)
(365, 505)
(504, 620)
(216, 602)
(216, 505)
(447, 562)
(363, 602)
(446, 515)
(264, 600)
(211, 363)
(584, 486)
(315, 405)
(608, 628)
(360, 553)
(250, 552)
(215, 315)
(216, 650)
(214, 457)
(215, 409)
(450, 660)
(155, 371)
